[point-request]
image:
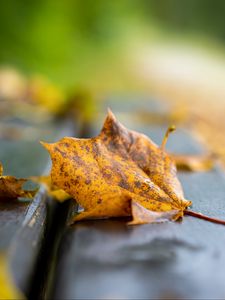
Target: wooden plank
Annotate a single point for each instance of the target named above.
(106, 259)
(25, 225)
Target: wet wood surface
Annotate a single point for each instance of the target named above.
(24, 224)
(106, 259)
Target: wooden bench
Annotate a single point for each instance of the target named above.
(106, 259)
(24, 226)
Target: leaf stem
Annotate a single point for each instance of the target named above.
(203, 217)
(164, 141)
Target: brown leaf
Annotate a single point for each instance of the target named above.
(12, 188)
(194, 162)
(109, 175)
(141, 215)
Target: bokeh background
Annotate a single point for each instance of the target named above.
(54, 51)
(80, 42)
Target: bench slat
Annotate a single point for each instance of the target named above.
(106, 259)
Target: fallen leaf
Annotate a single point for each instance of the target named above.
(8, 290)
(43, 94)
(12, 187)
(109, 175)
(52, 190)
(194, 162)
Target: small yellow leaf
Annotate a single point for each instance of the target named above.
(52, 190)
(8, 290)
(194, 162)
(12, 187)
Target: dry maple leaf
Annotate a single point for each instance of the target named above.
(106, 172)
(119, 173)
(12, 187)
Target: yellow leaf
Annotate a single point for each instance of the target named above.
(52, 190)
(12, 187)
(105, 174)
(8, 290)
(194, 162)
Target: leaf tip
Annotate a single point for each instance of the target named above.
(46, 145)
(110, 114)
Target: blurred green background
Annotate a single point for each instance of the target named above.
(60, 57)
(73, 42)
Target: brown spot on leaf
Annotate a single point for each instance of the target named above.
(61, 152)
(87, 181)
